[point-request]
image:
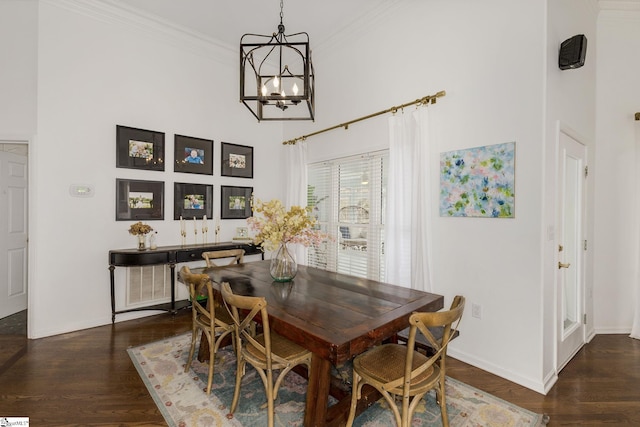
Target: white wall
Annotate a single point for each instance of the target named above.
(488, 56)
(98, 69)
(18, 50)
(570, 104)
(618, 98)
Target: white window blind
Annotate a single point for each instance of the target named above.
(348, 197)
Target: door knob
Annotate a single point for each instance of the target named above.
(561, 265)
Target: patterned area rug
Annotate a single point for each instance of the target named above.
(182, 401)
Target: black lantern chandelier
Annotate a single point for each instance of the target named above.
(276, 75)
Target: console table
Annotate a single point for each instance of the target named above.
(168, 255)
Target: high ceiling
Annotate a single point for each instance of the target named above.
(226, 21)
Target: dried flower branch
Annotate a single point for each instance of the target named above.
(140, 228)
(277, 225)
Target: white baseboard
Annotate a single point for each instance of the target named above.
(529, 383)
(43, 333)
(612, 330)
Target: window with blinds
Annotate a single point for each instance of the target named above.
(348, 198)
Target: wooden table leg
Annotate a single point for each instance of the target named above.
(203, 351)
(317, 392)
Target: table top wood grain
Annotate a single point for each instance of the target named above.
(334, 315)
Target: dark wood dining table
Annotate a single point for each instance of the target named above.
(335, 316)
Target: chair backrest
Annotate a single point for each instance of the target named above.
(199, 285)
(420, 323)
(236, 255)
(250, 308)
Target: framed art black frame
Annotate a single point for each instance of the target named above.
(193, 155)
(192, 200)
(139, 200)
(139, 148)
(237, 160)
(235, 202)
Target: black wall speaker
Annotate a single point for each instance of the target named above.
(572, 52)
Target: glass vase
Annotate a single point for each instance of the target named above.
(283, 265)
(142, 242)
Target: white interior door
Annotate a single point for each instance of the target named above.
(571, 247)
(13, 233)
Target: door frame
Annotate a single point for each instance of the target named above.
(27, 140)
(582, 303)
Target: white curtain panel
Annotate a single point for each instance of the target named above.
(635, 329)
(296, 186)
(408, 219)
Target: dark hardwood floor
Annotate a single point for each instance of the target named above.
(86, 378)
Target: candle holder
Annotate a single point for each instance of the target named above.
(183, 235)
(205, 230)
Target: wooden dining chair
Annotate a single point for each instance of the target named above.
(400, 370)
(266, 352)
(215, 324)
(236, 255)
(421, 341)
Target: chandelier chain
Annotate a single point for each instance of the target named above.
(281, 13)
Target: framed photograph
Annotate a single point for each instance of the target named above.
(139, 200)
(236, 202)
(139, 149)
(237, 160)
(192, 200)
(193, 155)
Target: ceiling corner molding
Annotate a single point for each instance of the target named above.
(358, 27)
(619, 5)
(113, 13)
(594, 6)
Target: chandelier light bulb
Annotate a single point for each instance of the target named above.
(264, 90)
(282, 94)
(276, 82)
(295, 89)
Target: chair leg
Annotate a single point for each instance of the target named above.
(443, 404)
(194, 337)
(212, 358)
(270, 397)
(236, 392)
(355, 395)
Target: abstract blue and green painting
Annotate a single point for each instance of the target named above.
(478, 182)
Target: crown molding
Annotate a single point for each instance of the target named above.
(141, 22)
(620, 5)
(358, 27)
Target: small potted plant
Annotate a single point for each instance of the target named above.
(140, 230)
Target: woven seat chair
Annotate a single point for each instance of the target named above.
(214, 323)
(236, 255)
(400, 370)
(266, 352)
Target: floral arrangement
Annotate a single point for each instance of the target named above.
(139, 228)
(277, 225)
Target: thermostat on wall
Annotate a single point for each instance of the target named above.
(81, 190)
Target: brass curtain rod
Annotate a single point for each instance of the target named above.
(422, 101)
